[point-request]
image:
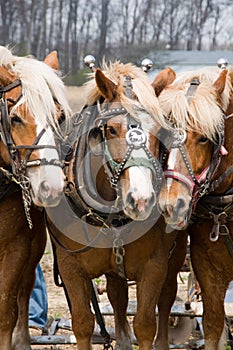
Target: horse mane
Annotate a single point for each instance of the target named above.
(204, 112)
(147, 100)
(42, 86)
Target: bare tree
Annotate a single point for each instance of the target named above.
(103, 29)
(109, 27)
(204, 10)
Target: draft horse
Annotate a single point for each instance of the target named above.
(197, 194)
(32, 101)
(112, 226)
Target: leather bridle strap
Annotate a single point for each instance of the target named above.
(216, 183)
(9, 87)
(34, 146)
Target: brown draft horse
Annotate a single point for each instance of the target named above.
(117, 234)
(32, 98)
(199, 179)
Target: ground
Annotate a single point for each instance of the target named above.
(57, 304)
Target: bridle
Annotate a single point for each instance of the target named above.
(19, 165)
(17, 173)
(197, 185)
(135, 139)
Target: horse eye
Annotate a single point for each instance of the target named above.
(112, 131)
(203, 139)
(16, 119)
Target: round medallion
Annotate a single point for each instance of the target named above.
(135, 137)
(179, 137)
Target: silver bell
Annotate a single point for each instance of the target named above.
(222, 63)
(89, 61)
(146, 64)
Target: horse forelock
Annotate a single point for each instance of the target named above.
(142, 89)
(203, 113)
(41, 86)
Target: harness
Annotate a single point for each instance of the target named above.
(81, 190)
(17, 171)
(206, 205)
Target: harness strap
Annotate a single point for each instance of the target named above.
(99, 318)
(57, 242)
(9, 87)
(215, 184)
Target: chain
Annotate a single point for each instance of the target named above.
(27, 201)
(119, 252)
(9, 175)
(24, 183)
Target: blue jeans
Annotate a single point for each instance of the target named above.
(38, 303)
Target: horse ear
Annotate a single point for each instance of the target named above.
(106, 86)
(95, 141)
(52, 60)
(163, 79)
(220, 83)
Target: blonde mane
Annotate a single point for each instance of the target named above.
(204, 112)
(142, 88)
(41, 86)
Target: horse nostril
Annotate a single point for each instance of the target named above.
(130, 200)
(169, 209)
(45, 189)
(180, 204)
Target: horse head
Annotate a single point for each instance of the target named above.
(127, 123)
(194, 104)
(32, 100)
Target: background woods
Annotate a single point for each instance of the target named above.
(125, 29)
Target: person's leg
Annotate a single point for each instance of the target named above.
(38, 304)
